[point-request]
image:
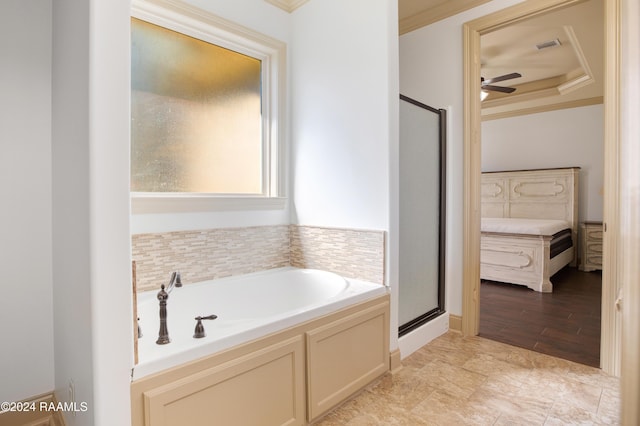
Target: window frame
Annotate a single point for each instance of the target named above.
(210, 28)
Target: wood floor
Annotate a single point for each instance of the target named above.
(564, 323)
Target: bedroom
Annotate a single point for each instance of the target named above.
(548, 124)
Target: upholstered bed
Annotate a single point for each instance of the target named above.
(529, 225)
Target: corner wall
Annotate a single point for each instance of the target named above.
(344, 118)
(91, 247)
(341, 114)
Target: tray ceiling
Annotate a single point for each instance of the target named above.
(567, 75)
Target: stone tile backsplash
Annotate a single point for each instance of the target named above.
(216, 253)
(351, 253)
(208, 254)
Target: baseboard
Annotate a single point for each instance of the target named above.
(36, 411)
(417, 338)
(455, 323)
(395, 363)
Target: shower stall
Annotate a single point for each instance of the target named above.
(422, 214)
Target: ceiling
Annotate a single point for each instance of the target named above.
(563, 76)
(414, 14)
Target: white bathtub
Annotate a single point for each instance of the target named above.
(248, 307)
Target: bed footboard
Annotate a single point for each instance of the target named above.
(517, 259)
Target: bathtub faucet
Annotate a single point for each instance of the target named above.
(163, 334)
(175, 281)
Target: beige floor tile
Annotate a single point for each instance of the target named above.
(565, 415)
(441, 408)
(566, 390)
(609, 407)
(405, 389)
(475, 381)
(498, 369)
(594, 376)
(451, 379)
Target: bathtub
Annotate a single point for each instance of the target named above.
(248, 307)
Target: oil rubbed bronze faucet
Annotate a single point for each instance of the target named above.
(199, 331)
(175, 281)
(163, 334)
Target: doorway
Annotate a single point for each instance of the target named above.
(472, 168)
(542, 109)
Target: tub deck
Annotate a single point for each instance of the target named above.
(248, 307)
(290, 377)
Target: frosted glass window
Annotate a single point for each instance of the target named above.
(196, 115)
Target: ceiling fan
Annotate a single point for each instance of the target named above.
(487, 84)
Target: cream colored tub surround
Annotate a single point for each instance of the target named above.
(291, 377)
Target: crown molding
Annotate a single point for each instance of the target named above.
(544, 108)
(287, 5)
(585, 77)
(436, 13)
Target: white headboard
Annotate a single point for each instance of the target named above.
(532, 194)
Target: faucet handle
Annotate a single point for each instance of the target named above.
(199, 331)
(210, 317)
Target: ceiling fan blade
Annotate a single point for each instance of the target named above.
(498, 88)
(503, 78)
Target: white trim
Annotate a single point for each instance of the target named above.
(630, 210)
(287, 5)
(194, 22)
(586, 76)
(440, 11)
(543, 108)
(414, 340)
(142, 203)
(611, 334)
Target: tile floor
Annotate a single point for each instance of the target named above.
(475, 381)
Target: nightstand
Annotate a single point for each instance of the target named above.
(590, 246)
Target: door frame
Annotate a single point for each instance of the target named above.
(610, 344)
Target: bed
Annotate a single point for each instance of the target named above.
(529, 225)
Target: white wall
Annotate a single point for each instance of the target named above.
(563, 138)
(91, 245)
(341, 114)
(26, 307)
(345, 119)
(431, 71)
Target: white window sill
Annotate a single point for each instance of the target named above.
(144, 203)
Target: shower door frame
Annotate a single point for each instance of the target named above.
(411, 325)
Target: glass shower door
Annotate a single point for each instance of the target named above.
(422, 213)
